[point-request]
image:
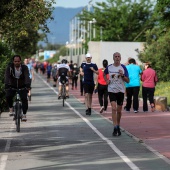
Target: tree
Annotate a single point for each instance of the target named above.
(21, 26)
(21, 22)
(5, 57)
(163, 11)
(157, 49)
(121, 20)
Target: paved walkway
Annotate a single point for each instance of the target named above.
(151, 128)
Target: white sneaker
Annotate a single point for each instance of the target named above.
(101, 109)
(24, 118)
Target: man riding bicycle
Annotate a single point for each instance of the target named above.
(63, 71)
(17, 77)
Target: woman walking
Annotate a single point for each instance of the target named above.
(101, 87)
(149, 79)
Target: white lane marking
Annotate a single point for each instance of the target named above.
(4, 157)
(109, 142)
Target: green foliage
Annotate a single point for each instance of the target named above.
(62, 52)
(157, 50)
(121, 20)
(5, 58)
(54, 59)
(163, 10)
(162, 89)
(41, 58)
(21, 23)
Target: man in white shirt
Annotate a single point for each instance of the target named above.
(118, 74)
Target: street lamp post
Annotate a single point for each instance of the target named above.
(93, 21)
(101, 33)
(67, 48)
(94, 29)
(90, 23)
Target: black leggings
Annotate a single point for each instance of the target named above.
(103, 92)
(147, 93)
(74, 81)
(81, 86)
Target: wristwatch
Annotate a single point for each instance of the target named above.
(123, 76)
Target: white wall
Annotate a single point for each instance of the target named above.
(104, 50)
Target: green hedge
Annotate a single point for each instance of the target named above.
(5, 57)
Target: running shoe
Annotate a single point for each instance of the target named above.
(88, 111)
(101, 109)
(118, 131)
(24, 119)
(114, 132)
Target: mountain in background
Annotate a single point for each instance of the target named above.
(59, 27)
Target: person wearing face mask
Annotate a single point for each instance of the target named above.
(75, 74)
(101, 87)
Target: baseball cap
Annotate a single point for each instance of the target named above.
(88, 55)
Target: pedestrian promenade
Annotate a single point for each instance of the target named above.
(151, 128)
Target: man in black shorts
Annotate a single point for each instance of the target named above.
(118, 74)
(87, 70)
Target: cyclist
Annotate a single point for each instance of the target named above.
(63, 71)
(17, 76)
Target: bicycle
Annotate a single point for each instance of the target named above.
(63, 88)
(17, 106)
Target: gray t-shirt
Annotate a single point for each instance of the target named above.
(17, 73)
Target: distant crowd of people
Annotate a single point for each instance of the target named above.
(115, 81)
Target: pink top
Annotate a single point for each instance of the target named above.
(149, 78)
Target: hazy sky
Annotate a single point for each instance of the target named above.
(75, 3)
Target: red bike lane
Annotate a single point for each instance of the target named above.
(153, 128)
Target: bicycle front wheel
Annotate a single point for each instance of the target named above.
(18, 116)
